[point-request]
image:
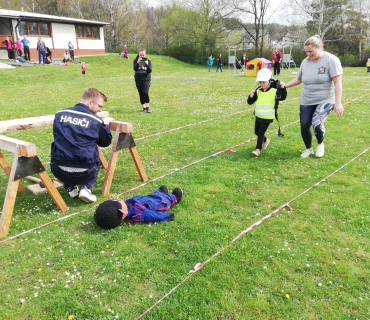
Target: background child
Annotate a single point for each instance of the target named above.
(152, 207)
(267, 101)
(368, 66)
(83, 67)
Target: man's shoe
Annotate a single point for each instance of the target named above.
(86, 195)
(73, 191)
(164, 189)
(265, 144)
(320, 151)
(177, 192)
(148, 110)
(306, 153)
(257, 152)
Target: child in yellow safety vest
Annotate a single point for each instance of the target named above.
(267, 101)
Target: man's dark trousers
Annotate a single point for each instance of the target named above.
(276, 68)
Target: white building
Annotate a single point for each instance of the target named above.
(87, 36)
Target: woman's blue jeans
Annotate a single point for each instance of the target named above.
(219, 66)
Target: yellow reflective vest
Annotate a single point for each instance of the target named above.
(265, 104)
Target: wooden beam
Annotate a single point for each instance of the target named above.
(11, 194)
(6, 167)
(24, 149)
(34, 122)
(126, 127)
(112, 163)
(102, 159)
(49, 185)
(138, 164)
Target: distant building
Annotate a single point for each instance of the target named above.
(87, 36)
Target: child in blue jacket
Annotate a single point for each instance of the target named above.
(152, 207)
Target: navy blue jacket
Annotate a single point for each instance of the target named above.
(152, 207)
(77, 131)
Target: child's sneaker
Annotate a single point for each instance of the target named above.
(144, 110)
(257, 152)
(177, 192)
(86, 195)
(73, 191)
(164, 189)
(265, 144)
(148, 110)
(320, 151)
(306, 153)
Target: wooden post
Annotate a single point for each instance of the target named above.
(102, 159)
(4, 164)
(11, 194)
(111, 165)
(49, 185)
(138, 164)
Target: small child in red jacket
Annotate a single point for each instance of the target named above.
(83, 67)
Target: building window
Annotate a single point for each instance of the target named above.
(34, 28)
(88, 32)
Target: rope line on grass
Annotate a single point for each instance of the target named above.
(148, 182)
(199, 266)
(139, 186)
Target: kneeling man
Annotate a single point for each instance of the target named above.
(74, 152)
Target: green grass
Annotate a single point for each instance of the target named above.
(73, 268)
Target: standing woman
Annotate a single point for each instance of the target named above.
(71, 49)
(219, 62)
(143, 69)
(321, 75)
(9, 47)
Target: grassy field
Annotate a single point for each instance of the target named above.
(312, 263)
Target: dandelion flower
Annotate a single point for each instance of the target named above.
(287, 296)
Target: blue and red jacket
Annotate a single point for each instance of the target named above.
(77, 131)
(152, 207)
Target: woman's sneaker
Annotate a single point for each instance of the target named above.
(86, 195)
(265, 144)
(257, 152)
(177, 192)
(320, 151)
(73, 191)
(306, 153)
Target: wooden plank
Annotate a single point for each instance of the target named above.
(126, 127)
(36, 189)
(112, 164)
(26, 149)
(11, 194)
(104, 162)
(6, 167)
(34, 122)
(138, 164)
(52, 191)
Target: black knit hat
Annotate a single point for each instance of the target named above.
(107, 215)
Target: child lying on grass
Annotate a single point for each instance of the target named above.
(152, 207)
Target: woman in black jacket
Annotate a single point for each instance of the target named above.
(9, 46)
(143, 69)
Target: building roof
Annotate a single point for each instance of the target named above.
(12, 14)
(260, 59)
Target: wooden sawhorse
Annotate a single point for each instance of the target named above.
(25, 163)
(122, 140)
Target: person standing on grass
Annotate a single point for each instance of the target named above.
(368, 66)
(210, 62)
(143, 70)
(9, 47)
(41, 48)
(244, 61)
(321, 75)
(219, 62)
(125, 52)
(18, 47)
(26, 48)
(276, 60)
(267, 101)
(71, 49)
(74, 153)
